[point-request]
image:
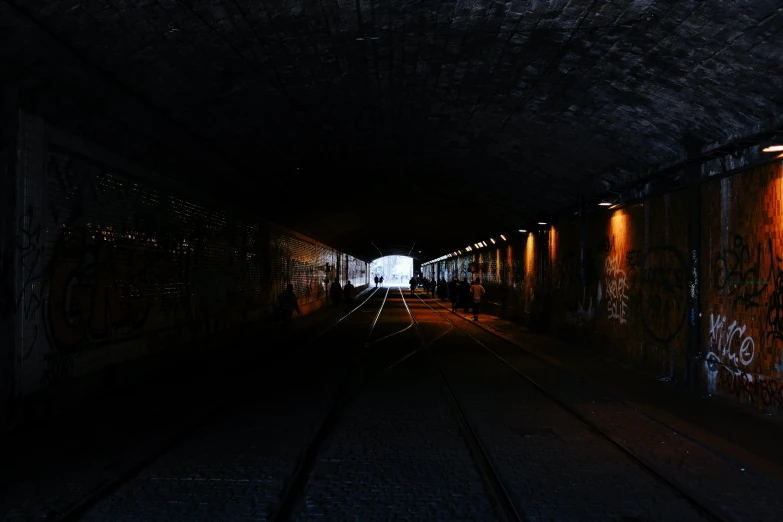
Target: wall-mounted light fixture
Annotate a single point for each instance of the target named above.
(502, 237)
(493, 241)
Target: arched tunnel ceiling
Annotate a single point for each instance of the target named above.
(430, 122)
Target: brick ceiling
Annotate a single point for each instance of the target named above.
(434, 112)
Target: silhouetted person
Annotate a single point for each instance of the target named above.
(432, 287)
(412, 282)
(454, 293)
(381, 280)
(336, 290)
(376, 281)
(348, 293)
(477, 292)
(288, 304)
(464, 294)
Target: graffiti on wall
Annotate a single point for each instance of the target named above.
(737, 271)
(664, 292)
(30, 299)
(616, 290)
(104, 292)
(728, 342)
(745, 386)
(775, 309)
(751, 277)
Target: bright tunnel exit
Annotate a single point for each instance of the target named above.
(395, 270)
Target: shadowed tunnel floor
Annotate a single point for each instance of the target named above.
(397, 449)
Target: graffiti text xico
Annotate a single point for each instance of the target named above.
(729, 343)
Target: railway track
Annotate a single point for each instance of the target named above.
(680, 489)
(362, 374)
(496, 491)
(80, 509)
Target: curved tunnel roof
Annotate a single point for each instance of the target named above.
(380, 126)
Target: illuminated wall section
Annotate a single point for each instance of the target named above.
(498, 266)
(509, 265)
(530, 272)
(615, 274)
(742, 287)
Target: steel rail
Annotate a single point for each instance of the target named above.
(80, 509)
(675, 485)
(495, 490)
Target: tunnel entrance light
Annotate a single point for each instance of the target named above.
(502, 237)
(773, 148)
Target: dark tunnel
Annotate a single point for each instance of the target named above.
(465, 260)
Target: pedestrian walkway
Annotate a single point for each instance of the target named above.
(733, 429)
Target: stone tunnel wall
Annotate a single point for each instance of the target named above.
(113, 265)
(630, 296)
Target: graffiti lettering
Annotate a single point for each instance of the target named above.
(729, 343)
(745, 386)
(775, 309)
(616, 287)
(738, 271)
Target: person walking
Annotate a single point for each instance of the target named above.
(381, 281)
(288, 304)
(376, 281)
(336, 290)
(348, 293)
(412, 282)
(432, 287)
(477, 292)
(464, 294)
(454, 293)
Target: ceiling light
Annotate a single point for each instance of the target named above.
(773, 148)
(493, 241)
(503, 237)
(541, 223)
(484, 243)
(522, 230)
(605, 204)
